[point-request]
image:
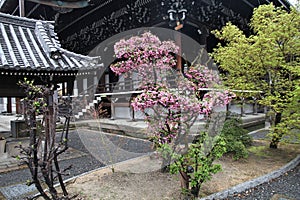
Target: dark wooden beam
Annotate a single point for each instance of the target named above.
(21, 8)
(249, 4)
(63, 4)
(32, 10)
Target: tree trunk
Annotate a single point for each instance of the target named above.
(184, 180)
(274, 143)
(185, 185)
(195, 191)
(165, 166)
(277, 135)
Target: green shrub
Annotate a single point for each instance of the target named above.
(236, 137)
(197, 165)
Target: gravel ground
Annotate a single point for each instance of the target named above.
(259, 134)
(14, 177)
(79, 164)
(285, 187)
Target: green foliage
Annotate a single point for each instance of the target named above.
(165, 150)
(238, 149)
(36, 97)
(261, 151)
(18, 157)
(197, 162)
(290, 123)
(236, 138)
(266, 61)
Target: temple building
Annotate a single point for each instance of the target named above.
(37, 47)
(30, 48)
(82, 24)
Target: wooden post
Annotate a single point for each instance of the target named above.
(70, 85)
(113, 100)
(178, 43)
(242, 107)
(8, 108)
(63, 89)
(18, 106)
(227, 107)
(21, 8)
(75, 88)
(112, 109)
(95, 83)
(132, 112)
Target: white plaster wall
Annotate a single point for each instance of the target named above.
(122, 112)
(2, 105)
(13, 105)
(236, 108)
(219, 108)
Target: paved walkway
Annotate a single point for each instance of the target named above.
(5, 122)
(136, 129)
(6, 161)
(92, 153)
(81, 152)
(84, 154)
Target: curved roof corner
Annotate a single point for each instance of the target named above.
(33, 45)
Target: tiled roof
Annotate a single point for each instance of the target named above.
(32, 45)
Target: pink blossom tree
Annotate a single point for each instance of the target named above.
(142, 53)
(171, 107)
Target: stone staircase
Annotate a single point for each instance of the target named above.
(91, 105)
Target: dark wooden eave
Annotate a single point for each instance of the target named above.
(82, 29)
(63, 3)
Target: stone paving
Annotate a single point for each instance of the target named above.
(18, 191)
(83, 143)
(134, 129)
(5, 122)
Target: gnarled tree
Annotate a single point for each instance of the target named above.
(41, 156)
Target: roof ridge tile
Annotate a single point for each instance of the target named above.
(47, 43)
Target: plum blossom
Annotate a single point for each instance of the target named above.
(175, 108)
(146, 50)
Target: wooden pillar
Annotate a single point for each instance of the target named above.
(255, 106)
(95, 82)
(70, 85)
(63, 89)
(242, 106)
(203, 40)
(85, 85)
(227, 107)
(18, 106)
(131, 109)
(75, 88)
(112, 108)
(132, 113)
(9, 106)
(21, 8)
(178, 56)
